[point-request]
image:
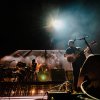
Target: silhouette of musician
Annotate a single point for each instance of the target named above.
(72, 54)
(34, 65)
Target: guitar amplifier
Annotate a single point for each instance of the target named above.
(58, 75)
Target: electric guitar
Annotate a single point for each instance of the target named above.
(72, 57)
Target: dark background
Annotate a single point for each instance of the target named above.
(21, 23)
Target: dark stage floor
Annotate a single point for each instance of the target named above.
(38, 91)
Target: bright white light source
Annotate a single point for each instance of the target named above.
(57, 24)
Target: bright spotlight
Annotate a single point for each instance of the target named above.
(57, 24)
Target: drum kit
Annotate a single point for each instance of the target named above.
(9, 74)
(21, 73)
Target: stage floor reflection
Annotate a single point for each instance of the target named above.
(25, 98)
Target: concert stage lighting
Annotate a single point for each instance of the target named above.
(43, 76)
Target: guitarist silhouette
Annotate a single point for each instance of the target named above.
(76, 56)
(71, 54)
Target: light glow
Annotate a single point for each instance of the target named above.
(57, 24)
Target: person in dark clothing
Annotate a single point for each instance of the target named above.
(34, 65)
(21, 71)
(76, 57)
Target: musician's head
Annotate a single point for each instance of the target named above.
(33, 61)
(71, 43)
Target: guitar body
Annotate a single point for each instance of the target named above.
(70, 57)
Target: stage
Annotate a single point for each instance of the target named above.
(53, 80)
(39, 91)
(25, 98)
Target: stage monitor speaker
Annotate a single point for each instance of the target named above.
(58, 75)
(59, 96)
(67, 96)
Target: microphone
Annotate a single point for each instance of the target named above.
(83, 38)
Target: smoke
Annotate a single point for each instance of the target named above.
(80, 20)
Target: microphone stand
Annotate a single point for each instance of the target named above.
(88, 45)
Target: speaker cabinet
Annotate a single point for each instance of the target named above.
(58, 75)
(59, 96)
(67, 96)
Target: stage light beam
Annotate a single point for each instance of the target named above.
(57, 24)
